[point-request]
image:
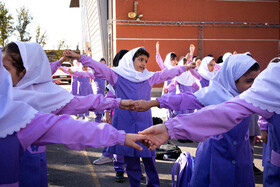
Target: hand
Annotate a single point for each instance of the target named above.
(72, 55)
(143, 105)
(63, 58)
(157, 135)
(127, 104)
(165, 90)
(157, 48)
(191, 65)
(264, 136)
(130, 140)
(57, 81)
(192, 48)
(70, 71)
(188, 57)
(107, 118)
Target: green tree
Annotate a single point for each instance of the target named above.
(60, 48)
(24, 19)
(6, 25)
(41, 39)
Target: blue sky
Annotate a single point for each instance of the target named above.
(54, 16)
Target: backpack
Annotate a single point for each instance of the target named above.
(168, 151)
(183, 168)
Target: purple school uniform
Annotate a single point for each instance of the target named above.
(272, 154)
(74, 85)
(48, 129)
(230, 150)
(132, 121)
(184, 89)
(100, 84)
(84, 89)
(204, 82)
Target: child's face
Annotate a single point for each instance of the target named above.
(174, 62)
(198, 62)
(103, 61)
(246, 81)
(211, 66)
(7, 63)
(140, 63)
(85, 68)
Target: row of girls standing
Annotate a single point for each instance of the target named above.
(27, 88)
(132, 80)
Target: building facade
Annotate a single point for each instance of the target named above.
(213, 26)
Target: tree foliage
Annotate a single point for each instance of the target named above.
(6, 25)
(24, 19)
(41, 39)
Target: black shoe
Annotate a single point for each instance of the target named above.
(119, 176)
(256, 170)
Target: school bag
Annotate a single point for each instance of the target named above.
(183, 169)
(168, 151)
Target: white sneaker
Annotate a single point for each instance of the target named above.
(102, 160)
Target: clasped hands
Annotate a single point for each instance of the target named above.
(151, 137)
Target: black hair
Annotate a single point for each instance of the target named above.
(220, 60)
(275, 60)
(173, 56)
(118, 57)
(139, 52)
(102, 59)
(254, 67)
(196, 58)
(184, 61)
(12, 50)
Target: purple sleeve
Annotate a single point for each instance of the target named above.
(54, 66)
(83, 74)
(196, 74)
(263, 123)
(182, 101)
(109, 95)
(100, 70)
(172, 85)
(75, 134)
(65, 70)
(167, 74)
(160, 62)
(212, 120)
(92, 102)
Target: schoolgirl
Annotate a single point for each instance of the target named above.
(230, 150)
(22, 126)
(132, 80)
(261, 98)
(31, 76)
(100, 84)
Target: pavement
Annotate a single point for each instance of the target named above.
(74, 168)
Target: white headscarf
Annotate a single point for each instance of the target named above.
(76, 67)
(36, 87)
(265, 91)
(14, 115)
(186, 78)
(222, 87)
(203, 68)
(126, 68)
(167, 61)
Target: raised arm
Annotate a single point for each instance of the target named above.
(54, 66)
(209, 121)
(92, 102)
(158, 58)
(171, 86)
(212, 120)
(182, 101)
(100, 69)
(74, 134)
(167, 74)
